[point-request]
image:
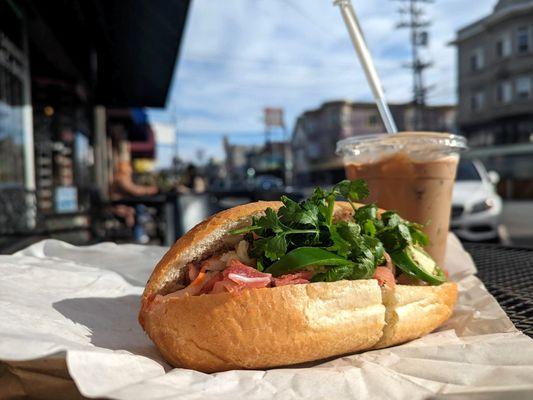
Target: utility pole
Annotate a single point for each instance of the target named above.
(412, 13)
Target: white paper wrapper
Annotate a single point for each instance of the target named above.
(62, 302)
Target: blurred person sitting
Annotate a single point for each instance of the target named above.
(123, 186)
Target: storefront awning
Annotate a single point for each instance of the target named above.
(125, 49)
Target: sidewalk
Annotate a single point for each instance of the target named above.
(517, 223)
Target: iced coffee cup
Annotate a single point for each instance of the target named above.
(412, 173)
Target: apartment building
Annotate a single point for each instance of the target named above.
(495, 71)
(317, 132)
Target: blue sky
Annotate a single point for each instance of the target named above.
(239, 56)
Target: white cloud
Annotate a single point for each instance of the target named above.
(239, 56)
(164, 133)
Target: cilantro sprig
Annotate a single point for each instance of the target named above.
(287, 239)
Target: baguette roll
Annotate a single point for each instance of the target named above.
(269, 327)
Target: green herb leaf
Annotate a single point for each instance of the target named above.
(289, 210)
(304, 235)
(352, 190)
(377, 249)
(304, 257)
(391, 218)
(340, 245)
(365, 266)
(395, 238)
(344, 236)
(270, 221)
(349, 230)
(293, 213)
(275, 247)
(366, 212)
(419, 237)
(309, 215)
(318, 195)
(334, 274)
(369, 228)
(245, 229)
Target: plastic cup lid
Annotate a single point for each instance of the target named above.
(404, 141)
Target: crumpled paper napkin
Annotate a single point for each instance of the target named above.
(80, 305)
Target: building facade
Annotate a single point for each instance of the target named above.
(495, 70)
(317, 132)
(61, 65)
(244, 162)
(238, 160)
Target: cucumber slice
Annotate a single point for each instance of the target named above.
(413, 260)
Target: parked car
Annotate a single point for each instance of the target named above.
(267, 183)
(476, 207)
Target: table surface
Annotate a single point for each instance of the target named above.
(506, 272)
(508, 275)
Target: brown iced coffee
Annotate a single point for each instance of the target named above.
(412, 173)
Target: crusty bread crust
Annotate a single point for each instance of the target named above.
(204, 238)
(269, 327)
(415, 311)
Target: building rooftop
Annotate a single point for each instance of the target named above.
(503, 4)
(503, 10)
(366, 105)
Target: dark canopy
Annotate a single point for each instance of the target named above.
(124, 49)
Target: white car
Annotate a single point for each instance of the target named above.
(476, 207)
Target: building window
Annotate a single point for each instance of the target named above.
(522, 39)
(504, 92)
(310, 126)
(504, 47)
(12, 128)
(477, 59)
(523, 87)
(477, 101)
(333, 117)
(372, 120)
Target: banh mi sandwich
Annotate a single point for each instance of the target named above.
(277, 283)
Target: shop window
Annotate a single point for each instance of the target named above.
(522, 39)
(11, 119)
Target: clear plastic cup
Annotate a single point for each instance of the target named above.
(412, 173)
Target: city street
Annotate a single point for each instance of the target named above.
(517, 223)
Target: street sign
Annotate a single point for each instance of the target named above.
(274, 117)
(66, 199)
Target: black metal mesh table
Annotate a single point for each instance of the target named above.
(508, 275)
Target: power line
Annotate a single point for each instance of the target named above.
(242, 62)
(306, 16)
(224, 60)
(413, 18)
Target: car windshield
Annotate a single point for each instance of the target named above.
(466, 171)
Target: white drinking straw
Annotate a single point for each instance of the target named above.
(354, 29)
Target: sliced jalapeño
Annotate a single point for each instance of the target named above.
(413, 260)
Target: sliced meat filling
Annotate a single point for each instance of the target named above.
(233, 271)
